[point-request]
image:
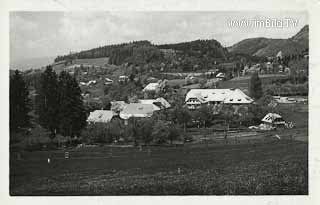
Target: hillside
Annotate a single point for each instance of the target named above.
(302, 37)
(144, 52)
(209, 48)
(270, 47)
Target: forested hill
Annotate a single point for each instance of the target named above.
(270, 47)
(209, 48)
(135, 51)
(142, 52)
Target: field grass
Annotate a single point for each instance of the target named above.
(271, 167)
(93, 61)
(243, 81)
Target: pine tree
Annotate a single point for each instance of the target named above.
(19, 102)
(255, 86)
(72, 114)
(47, 103)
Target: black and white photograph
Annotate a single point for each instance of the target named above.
(127, 103)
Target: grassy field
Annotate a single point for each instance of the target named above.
(243, 81)
(268, 167)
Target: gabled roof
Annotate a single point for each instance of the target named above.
(103, 116)
(231, 96)
(136, 110)
(151, 87)
(271, 117)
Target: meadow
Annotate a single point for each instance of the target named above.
(268, 166)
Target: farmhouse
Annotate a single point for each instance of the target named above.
(100, 116)
(197, 97)
(136, 110)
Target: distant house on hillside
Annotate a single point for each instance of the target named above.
(154, 88)
(100, 116)
(108, 81)
(123, 79)
(221, 76)
(211, 73)
(136, 110)
(197, 97)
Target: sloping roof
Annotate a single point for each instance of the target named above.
(100, 116)
(155, 103)
(136, 110)
(279, 54)
(151, 87)
(150, 102)
(271, 117)
(164, 102)
(237, 96)
(231, 96)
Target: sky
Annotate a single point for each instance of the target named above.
(42, 34)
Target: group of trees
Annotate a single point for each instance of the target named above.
(138, 130)
(59, 104)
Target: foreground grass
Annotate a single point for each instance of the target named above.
(269, 168)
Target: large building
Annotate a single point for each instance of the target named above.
(197, 97)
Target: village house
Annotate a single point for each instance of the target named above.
(123, 79)
(197, 97)
(108, 81)
(154, 88)
(273, 120)
(136, 110)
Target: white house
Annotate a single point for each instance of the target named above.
(197, 97)
(155, 87)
